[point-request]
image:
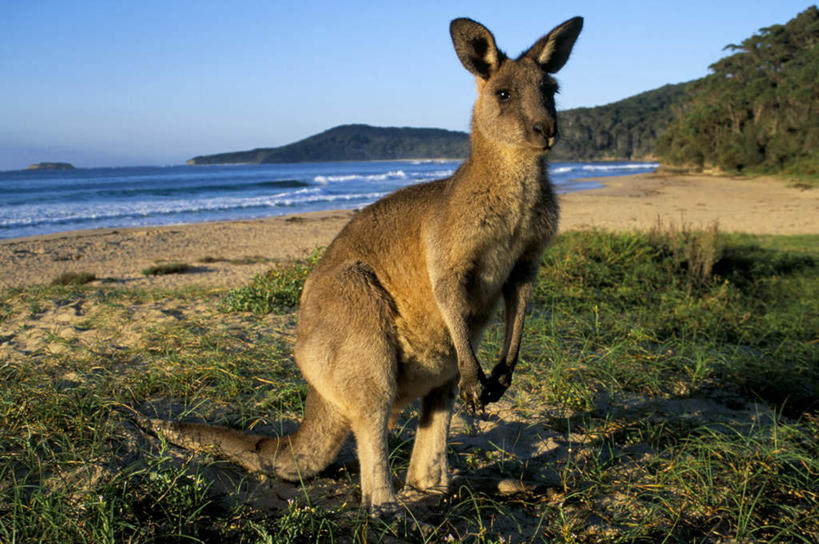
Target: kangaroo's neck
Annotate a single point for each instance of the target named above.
(512, 183)
(503, 165)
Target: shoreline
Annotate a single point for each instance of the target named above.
(630, 202)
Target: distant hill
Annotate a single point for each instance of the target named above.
(51, 166)
(355, 143)
(624, 130)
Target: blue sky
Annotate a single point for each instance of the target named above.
(128, 83)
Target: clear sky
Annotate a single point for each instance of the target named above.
(105, 83)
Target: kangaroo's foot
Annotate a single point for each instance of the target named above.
(401, 521)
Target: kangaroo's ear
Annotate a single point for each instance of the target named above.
(552, 50)
(476, 47)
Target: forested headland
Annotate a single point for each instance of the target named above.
(355, 143)
(758, 112)
(623, 130)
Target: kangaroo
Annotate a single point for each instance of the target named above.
(396, 307)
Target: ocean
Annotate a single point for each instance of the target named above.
(34, 202)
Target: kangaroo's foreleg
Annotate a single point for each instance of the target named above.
(450, 292)
(516, 294)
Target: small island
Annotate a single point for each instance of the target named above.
(51, 166)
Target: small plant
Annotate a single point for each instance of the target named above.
(275, 291)
(74, 278)
(695, 252)
(211, 259)
(167, 268)
(177, 495)
(252, 259)
(305, 523)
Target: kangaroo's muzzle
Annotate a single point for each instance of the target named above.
(544, 134)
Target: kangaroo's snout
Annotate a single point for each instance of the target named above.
(544, 134)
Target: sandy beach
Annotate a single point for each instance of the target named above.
(217, 251)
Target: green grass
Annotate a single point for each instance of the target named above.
(642, 313)
(277, 290)
(641, 355)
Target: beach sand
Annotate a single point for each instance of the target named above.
(118, 256)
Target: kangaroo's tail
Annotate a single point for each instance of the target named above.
(292, 457)
(315, 443)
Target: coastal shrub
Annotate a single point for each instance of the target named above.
(74, 278)
(275, 291)
(167, 268)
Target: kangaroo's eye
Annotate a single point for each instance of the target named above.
(503, 95)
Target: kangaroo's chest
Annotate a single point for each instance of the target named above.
(509, 233)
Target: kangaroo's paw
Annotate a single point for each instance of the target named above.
(472, 392)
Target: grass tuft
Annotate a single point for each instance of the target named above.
(74, 278)
(275, 291)
(694, 252)
(211, 259)
(167, 268)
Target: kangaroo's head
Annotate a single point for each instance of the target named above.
(516, 98)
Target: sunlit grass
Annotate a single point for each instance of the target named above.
(641, 357)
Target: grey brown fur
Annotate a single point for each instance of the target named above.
(396, 307)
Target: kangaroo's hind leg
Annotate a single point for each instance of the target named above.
(429, 469)
(347, 351)
(369, 393)
(370, 431)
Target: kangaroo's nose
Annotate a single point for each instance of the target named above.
(545, 131)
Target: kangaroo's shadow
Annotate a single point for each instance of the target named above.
(500, 454)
